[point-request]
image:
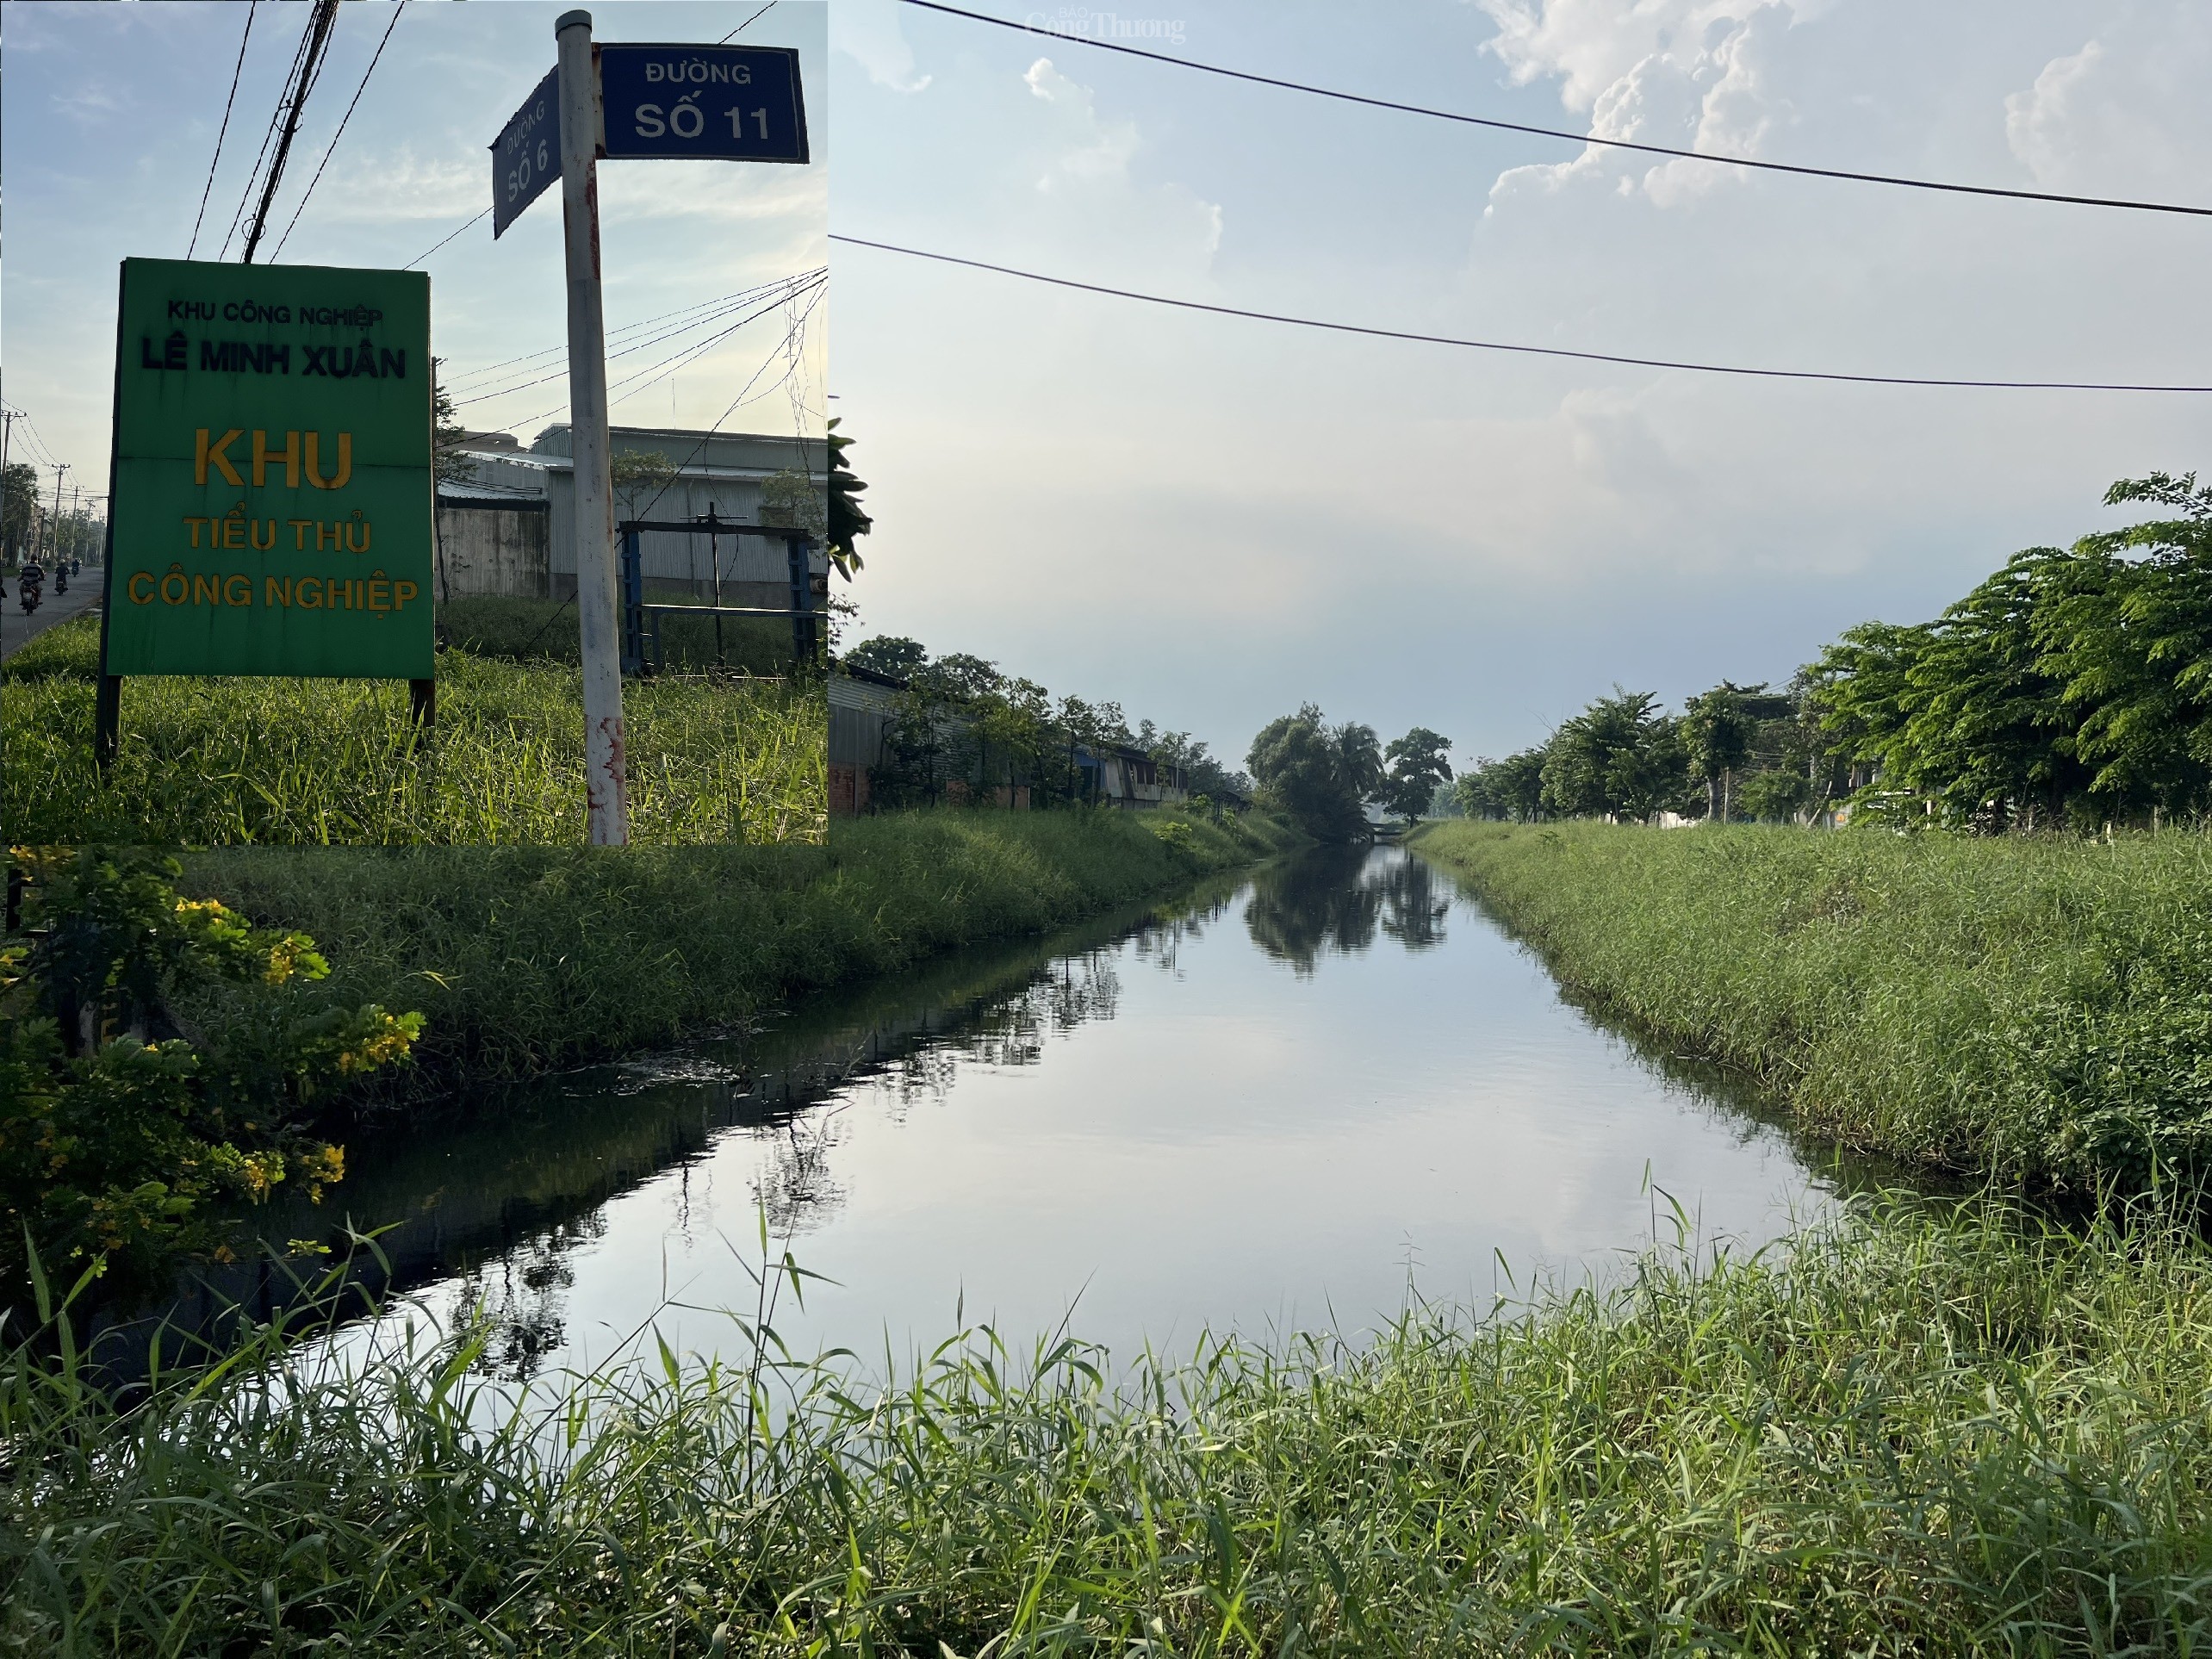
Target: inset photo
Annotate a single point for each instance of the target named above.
(429, 443)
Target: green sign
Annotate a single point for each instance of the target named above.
(273, 503)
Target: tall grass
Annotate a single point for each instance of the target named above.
(2035, 1009)
(214, 761)
(1918, 1431)
(530, 959)
(527, 629)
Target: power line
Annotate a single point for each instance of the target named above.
(724, 300)
(1504, 345)
(641, 345)
(314, 52)
(340, 133)
(420, 257)
(687, 351)
(748, 24)
(236, 70)
(268, 138)
(1571, 137)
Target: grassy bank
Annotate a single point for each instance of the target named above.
(530, 959)
(211, 761)
(1923, 1433)
(2036, 1009)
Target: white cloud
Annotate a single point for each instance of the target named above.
(1687, 73)
(1087, 165)
(868, 32)
(2037, 121)
(2124, 114)
(1098, 148)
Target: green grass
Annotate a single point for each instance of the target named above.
(213, 762)
(2037, 1009)
(526, 629)
(527, 960)
(1918, 1431)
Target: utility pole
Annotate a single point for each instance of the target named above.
(59, 467)
(8, 418)
(606, 784)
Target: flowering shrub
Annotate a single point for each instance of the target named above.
(127, 1138)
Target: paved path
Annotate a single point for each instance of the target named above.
(15, 627)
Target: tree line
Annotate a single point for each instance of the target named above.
(964, 729)
(2070, 688)
(31, 529)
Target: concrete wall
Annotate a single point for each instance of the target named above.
(493, 548)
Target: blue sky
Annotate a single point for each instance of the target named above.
(1214, 520)
(110, 121)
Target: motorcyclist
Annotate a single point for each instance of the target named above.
(28, 587)
(60, 577)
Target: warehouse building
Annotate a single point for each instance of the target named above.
(506, 528)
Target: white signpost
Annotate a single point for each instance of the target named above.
(673, 100)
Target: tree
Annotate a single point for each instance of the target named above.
(1717, 730)
(2130, 638)
(848, 519)
(637, 477)
(1318, 774)
(1420, 766)
(790, 498)
(1776, 797)
(1620, 758)
(448, 465)
(890, 654)
(1203, 774)
(19, 507)
(1512, 788)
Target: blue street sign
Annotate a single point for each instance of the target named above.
(527, 157)
(726, 102)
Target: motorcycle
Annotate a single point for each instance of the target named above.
(26, 589)
(60, 580)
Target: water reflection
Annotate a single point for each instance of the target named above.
(1151, 1106)
(1333, 900)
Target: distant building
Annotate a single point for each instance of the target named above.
(1119, 775)
(505, 529)
(862, 706)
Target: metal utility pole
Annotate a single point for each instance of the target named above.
(606, 784)
(59, 467)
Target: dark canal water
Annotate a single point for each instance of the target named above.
(1275, 1103)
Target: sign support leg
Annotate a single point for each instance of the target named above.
(606, 782)
(422, 703)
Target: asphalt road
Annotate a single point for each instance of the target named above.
(17, 629)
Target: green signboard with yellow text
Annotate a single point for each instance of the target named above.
(272, 496)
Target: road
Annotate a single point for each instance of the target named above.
(15, 627)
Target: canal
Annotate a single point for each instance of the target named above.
(1293, 1097)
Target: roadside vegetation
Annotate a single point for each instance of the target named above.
(2073, 689)
(544, 631)
(529, 959)
(219, 761)
(2036, 1009)
(129, 1139)
(1921, 1429)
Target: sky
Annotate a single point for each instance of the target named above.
(109, 125)
(1214, 520)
